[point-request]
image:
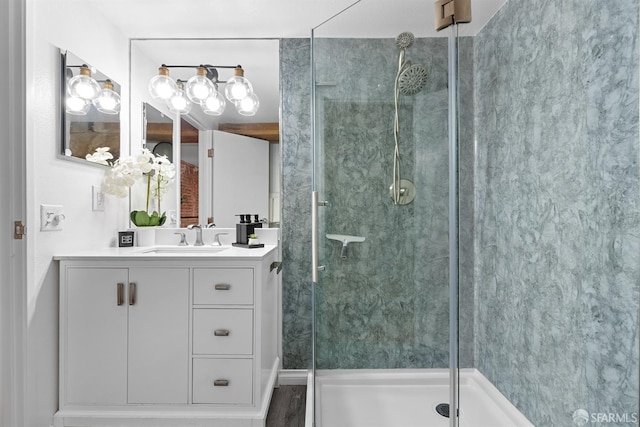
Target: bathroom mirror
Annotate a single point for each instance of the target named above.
(85, 124)
(158, 131)
(260, 61)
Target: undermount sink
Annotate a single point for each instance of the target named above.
(183, 250)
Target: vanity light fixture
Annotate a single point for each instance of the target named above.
(161, 87)
(202, 89)
(199, 87)
(238, 87)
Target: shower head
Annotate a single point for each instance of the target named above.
(412, 79)
(405, 40)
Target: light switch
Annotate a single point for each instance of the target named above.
(51, 217)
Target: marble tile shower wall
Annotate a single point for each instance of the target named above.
(557, 207)
(386, 306)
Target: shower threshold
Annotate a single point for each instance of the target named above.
(407, 398)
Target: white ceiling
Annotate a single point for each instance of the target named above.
(261, 19)
(275, 18)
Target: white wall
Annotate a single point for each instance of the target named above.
(73, 26)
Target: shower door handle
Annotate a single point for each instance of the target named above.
(315, 268)
(314, 237)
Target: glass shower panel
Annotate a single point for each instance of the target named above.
(382, 294)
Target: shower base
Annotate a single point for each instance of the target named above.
(407, 398)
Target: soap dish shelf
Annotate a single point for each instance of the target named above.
(345, 239)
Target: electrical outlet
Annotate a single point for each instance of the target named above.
(51, 217)
(172, 218)
(97, 199)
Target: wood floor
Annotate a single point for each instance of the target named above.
(288, 406)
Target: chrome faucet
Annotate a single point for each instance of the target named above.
(198, 229)
(183, 239)
(216, 239)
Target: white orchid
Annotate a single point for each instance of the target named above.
(100, 156)
(125, 171)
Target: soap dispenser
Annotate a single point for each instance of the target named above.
(244, 229)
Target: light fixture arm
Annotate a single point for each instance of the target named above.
(212, 70)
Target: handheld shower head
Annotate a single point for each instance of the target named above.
(405, 40)
(411, 79)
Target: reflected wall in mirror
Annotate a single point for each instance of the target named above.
(90, 110)
(158, 137)
(195, 202)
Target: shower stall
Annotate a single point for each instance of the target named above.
(385, 219)
(477, 254)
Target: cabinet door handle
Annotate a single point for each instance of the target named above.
(221, 332)
(132, 293)
(222, 287)
(120, 294)
(221, 383)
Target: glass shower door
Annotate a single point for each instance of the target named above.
(381, 269)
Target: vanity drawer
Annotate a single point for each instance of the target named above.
(222, 331)
(227, 381)
(223, 286)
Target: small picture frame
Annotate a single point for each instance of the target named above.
(125, 239)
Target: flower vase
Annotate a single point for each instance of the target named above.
(146, 236)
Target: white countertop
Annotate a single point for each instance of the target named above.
(166, 252)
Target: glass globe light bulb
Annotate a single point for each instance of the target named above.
(108, 101)
(162, 87)
(248, 106)
(199, 87)
(238, 87)
(77, 106)
(83, 85)
(214, 105)
(179, 103)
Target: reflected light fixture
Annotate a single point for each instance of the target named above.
(77, 106)
(179, 102)
(214, 105)
(202, 89)
(108, 100)
(248, 106)
(83, 85)
(82, 91)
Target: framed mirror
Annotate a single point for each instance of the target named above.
(196, 154)
(90, 110)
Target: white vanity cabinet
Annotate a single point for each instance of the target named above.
(167, 341)
(125, 335)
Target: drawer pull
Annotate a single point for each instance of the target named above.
(221, 332)
(221, 383)
(222, 287)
